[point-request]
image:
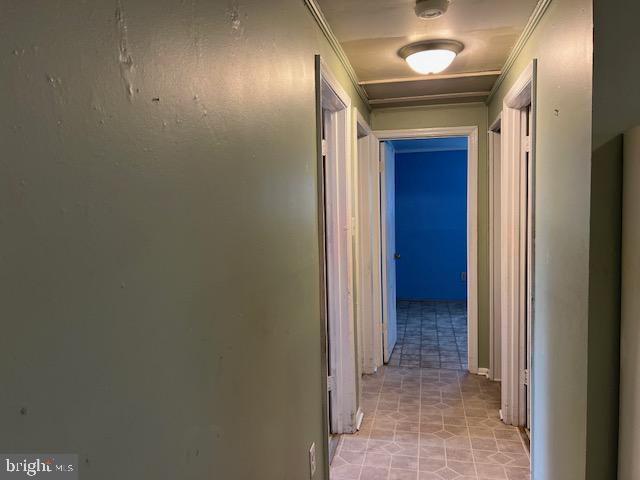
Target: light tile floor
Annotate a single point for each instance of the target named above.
(431, 334)
(430, 424)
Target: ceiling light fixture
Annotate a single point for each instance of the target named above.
(431, 56)
(429, 9)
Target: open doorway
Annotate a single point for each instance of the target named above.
(335, 222)
(517, 249)
(431, 252)
(430, 288)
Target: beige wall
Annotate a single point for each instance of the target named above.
(456, 116)
(562, 43)
(160, 275)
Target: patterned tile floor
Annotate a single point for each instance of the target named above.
(430, 424)
(431, 335)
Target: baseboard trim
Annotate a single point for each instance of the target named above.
(484, 372)
(359, 418)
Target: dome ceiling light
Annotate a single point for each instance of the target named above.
(429, 9)
(431, 56)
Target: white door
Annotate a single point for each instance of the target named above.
(370, 279)
(388, 214)
(376, 247)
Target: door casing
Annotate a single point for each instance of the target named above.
(518, 249)
(495, 331)
(471, 132)
(367, 247)
(336, 230)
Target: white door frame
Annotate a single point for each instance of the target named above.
(339, 254)
(516, 264)
(367, 246)
(471, 133)
(495, 331)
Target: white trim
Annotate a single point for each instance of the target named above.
(360, 247)
(376, 216)
(495, 350)
(330, 79)
(339, 253)
(520, 94)
(484, 372)
(359, 418)
(366, 206)
(408, 134)
(529, 28)
(320, 19)
(471, 133)
(497, 122)
(515, 298)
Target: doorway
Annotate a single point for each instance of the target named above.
(431, 253)
(517, 245)
(460, 354)
(336, 252)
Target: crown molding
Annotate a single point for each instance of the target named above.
(320, 19)
(529, 28)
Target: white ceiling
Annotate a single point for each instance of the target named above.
(372, 31)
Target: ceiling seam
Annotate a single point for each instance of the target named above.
(437, 96)
(534, 20)
(478, 103)
(424, 78)
(320, 19)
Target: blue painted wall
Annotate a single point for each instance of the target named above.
(431, 224)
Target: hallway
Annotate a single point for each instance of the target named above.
(430, 424)
(431, 335)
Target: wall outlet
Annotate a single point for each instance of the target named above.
(312, 460)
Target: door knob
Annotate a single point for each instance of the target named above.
(397, 256)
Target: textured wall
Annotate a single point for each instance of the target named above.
(158, 216)
(431, 225)
(562, 43)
